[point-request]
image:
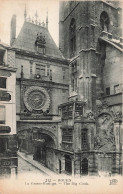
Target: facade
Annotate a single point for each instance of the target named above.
(91, 121)
(69, 100)
(41, 85)
(8, 139)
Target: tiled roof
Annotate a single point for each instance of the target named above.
(27, 37)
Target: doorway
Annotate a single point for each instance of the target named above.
(60, 167)
(84, 167)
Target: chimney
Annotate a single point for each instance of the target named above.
(13, 30)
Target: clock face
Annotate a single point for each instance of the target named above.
(36, 99)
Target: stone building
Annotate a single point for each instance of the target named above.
(69, 100)
(91, 120)
(41, 85)
(8, 143)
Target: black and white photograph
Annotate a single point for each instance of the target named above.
(61, 101)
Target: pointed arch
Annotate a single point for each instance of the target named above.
(84, 139)
(72, 33)
(104, 21)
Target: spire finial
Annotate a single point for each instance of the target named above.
(47, 19)
(25, 13)
(36, 16)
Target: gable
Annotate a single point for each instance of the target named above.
(27, 37)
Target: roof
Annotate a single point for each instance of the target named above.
(112, 43)
(107, 37)
(27, 37)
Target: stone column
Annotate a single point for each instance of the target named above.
(72, 167)
(62, 165)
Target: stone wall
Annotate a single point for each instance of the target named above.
(85, 14)
(112, 70)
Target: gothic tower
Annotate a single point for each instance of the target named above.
(90, 37)
(80, 27)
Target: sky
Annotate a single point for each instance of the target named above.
(17, 7)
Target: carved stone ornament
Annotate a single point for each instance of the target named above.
(101, 105)
(117, 116)
(90, 115)
(105, 139)
(40, 39)
(36, 98)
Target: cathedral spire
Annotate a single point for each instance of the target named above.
(47, 20)
(25, 13)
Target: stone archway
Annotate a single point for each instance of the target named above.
(45, 144)
(47, 133)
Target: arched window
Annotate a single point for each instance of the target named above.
(72, 37)
(84, 139)
(104, 21)
(68, 164)
(84, 166)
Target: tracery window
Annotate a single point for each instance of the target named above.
(72, 37)
(67, 135)
(84, 139)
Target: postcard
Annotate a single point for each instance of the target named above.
(61, 68)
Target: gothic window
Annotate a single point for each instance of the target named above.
(78, 109)
(74, 76)
(40, 43)
(68, 164)
(48, 70)
(63, 70)
(2, 145)
(67, 111)
(67, 135)
(116, 89)
(40, 69)
(31, 65)
(84, 139)
(2, 52)
(2, 82)
(2, 114)
(84, 167)
(108, 91)
(104, 21)
(72, 37)
(35, 135)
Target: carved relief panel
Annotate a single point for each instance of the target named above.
(105, 139)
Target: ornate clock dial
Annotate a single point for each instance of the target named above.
(36, 98)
